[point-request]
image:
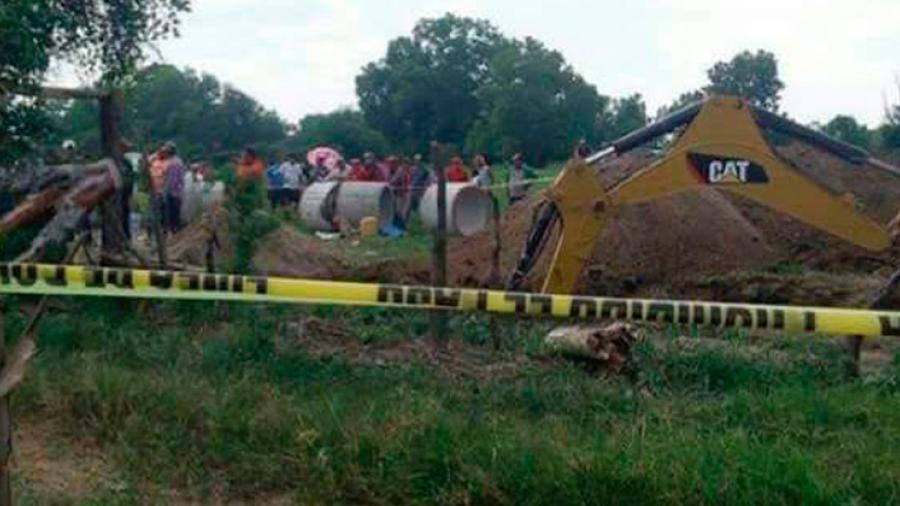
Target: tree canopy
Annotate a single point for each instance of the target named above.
(462, 82)
(344, 129)
(534, 103)
(753, 76)
(847, 129)
(198, 112)
(108, 37)
(426, 87)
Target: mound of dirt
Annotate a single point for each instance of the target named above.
(687, 237)
(874, 190)
(189, 246)
(284, 252)
(287, 252)
(681, 237)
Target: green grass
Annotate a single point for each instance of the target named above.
(226, 403)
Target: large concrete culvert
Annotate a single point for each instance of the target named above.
(358, 200)
(317, 209)
(323, 204)
(468, 209)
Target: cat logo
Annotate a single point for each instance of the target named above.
(718, 170)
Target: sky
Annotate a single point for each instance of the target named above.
(301, 56)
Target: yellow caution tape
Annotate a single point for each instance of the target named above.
(113, 282)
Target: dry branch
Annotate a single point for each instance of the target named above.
(90, 191)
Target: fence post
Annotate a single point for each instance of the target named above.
(880, 301)
(6, 436)
(439, 254)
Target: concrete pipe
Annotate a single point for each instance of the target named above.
(468, 209)
(199, 198)
(357, 200)
(317, 205)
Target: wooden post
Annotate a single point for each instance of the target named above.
(495, 278)
(439, 255)
(880, 301)
(6, 436)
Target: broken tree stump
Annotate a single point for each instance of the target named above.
(608, 347)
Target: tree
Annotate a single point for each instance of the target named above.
(627, 114)
(535, 103)
(344, 129)
(426, 86)
(683, 100)
(890, 130)
(753, 76)
(847, 129)
(199, 113)
(104, 36)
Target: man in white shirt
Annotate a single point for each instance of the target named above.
(292, 173)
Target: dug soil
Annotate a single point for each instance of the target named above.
(704, 244)
(707, 243)
(287, 252)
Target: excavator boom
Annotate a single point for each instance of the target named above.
(722, 146)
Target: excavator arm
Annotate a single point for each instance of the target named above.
(721, 146)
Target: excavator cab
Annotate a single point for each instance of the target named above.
(720, 144)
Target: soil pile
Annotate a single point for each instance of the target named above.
(284, 252)
(190, 245)
(287, 252)
(688, 237)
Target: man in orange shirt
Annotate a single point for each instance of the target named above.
(250, 166)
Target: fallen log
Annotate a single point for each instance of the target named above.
(79, 200)
(35, 208)
(608, 347)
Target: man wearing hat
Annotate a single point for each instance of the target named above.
(519, 179)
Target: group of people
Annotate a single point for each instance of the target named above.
(408, 177)
(285, 179)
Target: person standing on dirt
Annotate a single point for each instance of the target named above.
(371, 170)
(582, 150)
(456, 172)
(249, 167)
(249, 190)
(338, 172)
(173, 189)
(519, 179)
(483, 177)
(320, 171)
(420, 179)
(400, 182)
(274, 184)
(292, 174)
(357, 171)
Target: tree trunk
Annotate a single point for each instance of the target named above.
(113, 236)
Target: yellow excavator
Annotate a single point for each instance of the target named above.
(720, 144)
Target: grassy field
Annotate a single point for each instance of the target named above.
(189, 403)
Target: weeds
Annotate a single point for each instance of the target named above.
(199, 399)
